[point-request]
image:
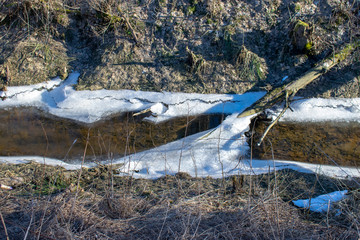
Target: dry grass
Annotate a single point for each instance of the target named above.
(172, 207)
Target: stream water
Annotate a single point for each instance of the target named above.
(331, 143)
(28, 131)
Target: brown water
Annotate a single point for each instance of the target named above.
(32, 132)
(325, 142)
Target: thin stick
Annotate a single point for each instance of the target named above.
(162, 226)
(80, 173)
(336, 164)
(8, 75)
(183, 142)
(275, 190)
(3, 223)
(271, 125)
(31, 219)
(42, 182)
(128, 24)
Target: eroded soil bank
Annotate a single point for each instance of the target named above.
(204, 46)
(53, 203)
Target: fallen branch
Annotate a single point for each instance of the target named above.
(287, 91)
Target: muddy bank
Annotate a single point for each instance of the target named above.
(207, 46)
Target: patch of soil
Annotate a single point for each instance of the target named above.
(206, 46)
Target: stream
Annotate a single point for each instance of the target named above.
(28, 131)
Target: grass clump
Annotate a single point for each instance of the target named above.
(250, 66)
(195, 62)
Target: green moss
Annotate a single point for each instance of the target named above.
(140, 25)
(299, 24)
(191, 10)
(309, 47)
(347, 50)
(12, 4)
(68, 11)
(162, 3)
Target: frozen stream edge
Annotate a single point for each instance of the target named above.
(218, 152)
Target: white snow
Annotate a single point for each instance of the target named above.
(217, 152)
(321, 203)
(91, 106)
(43, 160)
(320, 109)
(60, 99)
(210, 153)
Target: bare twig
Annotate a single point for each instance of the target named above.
(272, 124)
(4, 225)
(337, 164)
(79, 177)
(132, 30)
(31, 219)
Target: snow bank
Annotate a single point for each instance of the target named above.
(211, 153)
(62, 100)
(142, 166)
(319, 109)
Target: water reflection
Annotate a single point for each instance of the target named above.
(32, 132)
(326, 142)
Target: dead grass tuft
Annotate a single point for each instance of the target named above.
(122, 207)
(250, 66)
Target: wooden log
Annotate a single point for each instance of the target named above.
(287, 91)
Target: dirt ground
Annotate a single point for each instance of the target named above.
(203, 46)
(52, 203)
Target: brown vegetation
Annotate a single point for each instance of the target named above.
(47, 204)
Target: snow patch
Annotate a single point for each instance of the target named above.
(321, 203)
(319, 109)
(60, 99)
(44, 160)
